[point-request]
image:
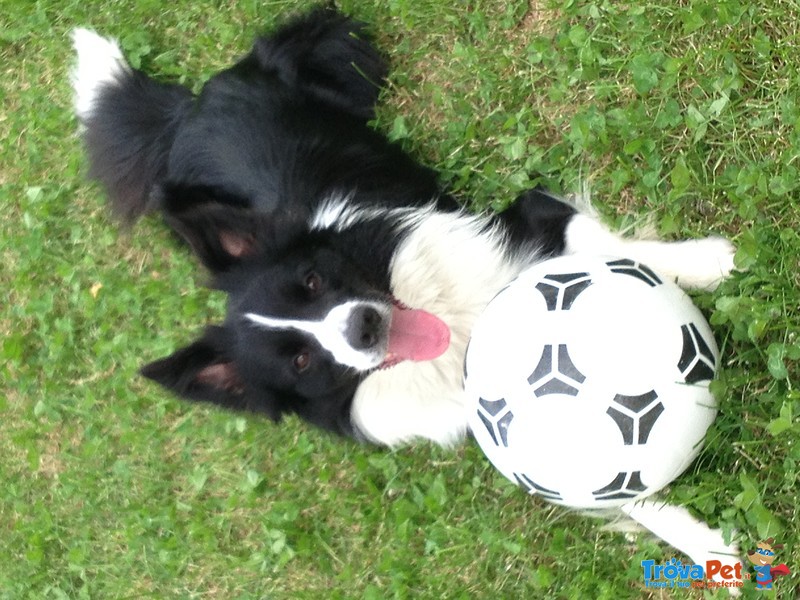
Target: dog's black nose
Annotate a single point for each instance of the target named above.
(365, 328)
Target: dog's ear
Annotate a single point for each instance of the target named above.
(220, 226)
(203, 371)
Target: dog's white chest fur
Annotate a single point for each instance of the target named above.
(452, 266)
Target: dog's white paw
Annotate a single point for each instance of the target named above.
(696, 264)
(706, 264)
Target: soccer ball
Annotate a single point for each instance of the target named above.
(588, 381)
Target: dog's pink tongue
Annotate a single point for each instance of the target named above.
(416, 335)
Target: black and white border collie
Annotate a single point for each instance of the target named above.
(353, 280)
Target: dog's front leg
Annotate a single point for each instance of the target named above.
(693, 264)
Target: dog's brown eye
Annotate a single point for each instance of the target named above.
(302, 361)
(313, 282)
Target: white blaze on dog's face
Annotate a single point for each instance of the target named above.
(365, 335)
(353, 332)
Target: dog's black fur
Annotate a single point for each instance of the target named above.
(240, 170)
(297, 206)
(281, 129)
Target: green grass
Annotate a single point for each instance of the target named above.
(689, 111)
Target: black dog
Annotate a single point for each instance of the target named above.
(353, 280)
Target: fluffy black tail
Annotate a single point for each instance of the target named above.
(128, 122)
(329, 56)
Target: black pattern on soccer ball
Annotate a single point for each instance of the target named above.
(533, 488)
(555, 373)
(697, 360)
(561, 289)
(635, 416)
(625, 266)
(624, 485)
(496, 417)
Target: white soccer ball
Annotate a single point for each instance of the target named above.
(588, 378)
